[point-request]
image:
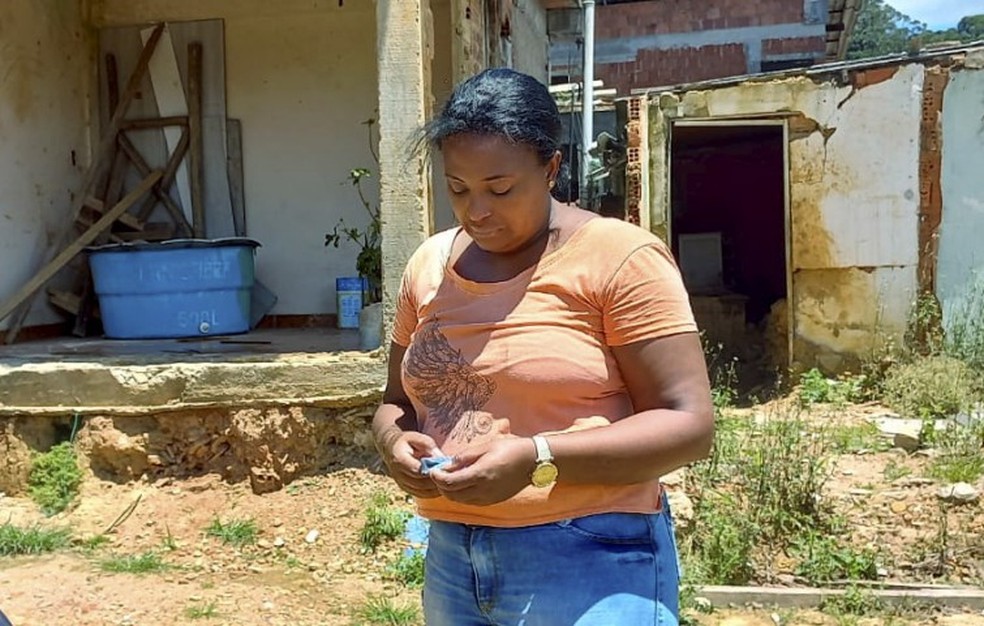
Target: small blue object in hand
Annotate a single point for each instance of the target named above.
(433, 462)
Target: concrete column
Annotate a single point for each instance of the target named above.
(405, 50)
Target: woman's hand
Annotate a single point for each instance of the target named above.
(487, 473)
(401, 452)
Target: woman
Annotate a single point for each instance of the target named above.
(552, 356)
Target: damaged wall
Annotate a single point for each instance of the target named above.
(530, 46)
(960, 270)
(854, 158)
(45, 96)
(301, 76)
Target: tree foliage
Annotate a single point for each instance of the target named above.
(881, 30)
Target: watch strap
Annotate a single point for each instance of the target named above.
(543, 453)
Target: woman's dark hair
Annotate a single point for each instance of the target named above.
(504, 103)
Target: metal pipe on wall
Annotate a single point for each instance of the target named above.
(587, 95)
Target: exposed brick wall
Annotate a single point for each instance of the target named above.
(671, 16)
(801, 45)
(677, 65)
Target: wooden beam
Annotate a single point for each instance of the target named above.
(138, 161)
(155, 123)
(67, 254)
(132, 87)
(234, 163)
(112, 83)
(197, 155)
(65, 300)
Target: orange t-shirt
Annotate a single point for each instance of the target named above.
(532, 354)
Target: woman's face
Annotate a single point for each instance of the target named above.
(499, 191)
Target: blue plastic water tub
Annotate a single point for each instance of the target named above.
(174, 289)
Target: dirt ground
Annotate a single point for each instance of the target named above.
(285, 580)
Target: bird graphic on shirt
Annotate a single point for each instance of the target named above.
(451, 389)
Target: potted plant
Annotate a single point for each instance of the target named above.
(369, 261)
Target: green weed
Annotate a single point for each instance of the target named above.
(894, 471)
(381, 611)
(823, 560)
(236, 533)
(94, 542)
(815, 388)
(851, 439)
(965, 327)
(15, 540)
(960, 455)
(383, 522)
(206, 610)
(724, 537)
(146, 563)
(54, 479)
(409, 569)
(854, 602)
(931, 387)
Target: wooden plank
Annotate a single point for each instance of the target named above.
(144, 212)
(155, 123)
(68, 253)
(170, 96)
(132, 87)
(112, 84)
(237, 189)
(196, 153)
(219, 218)
(65, 300)
(138, 161)
(95, 171)
(117, 175)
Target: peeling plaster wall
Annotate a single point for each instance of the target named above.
(960, 269)
(854, 200)
(45, 88)
(301, 76)
(529, 39)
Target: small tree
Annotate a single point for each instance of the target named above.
(369, 261)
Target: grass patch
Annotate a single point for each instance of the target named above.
(854, 602)
(237, 533)
(758, 491)
(855, 438)
(206, 610)
(384, 522)
(815, 388)
(408, 569)
(15, 540)
(894, 471)
(94, 542)
(54, 479)
(146, 563)
(823, 559)
(931, 387)
(382, 611)
(960, 455)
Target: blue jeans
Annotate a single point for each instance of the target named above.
(617, 569)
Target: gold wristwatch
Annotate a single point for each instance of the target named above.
(545, 472)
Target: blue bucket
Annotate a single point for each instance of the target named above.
(349, 291)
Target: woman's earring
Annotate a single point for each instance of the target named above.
(551, 184)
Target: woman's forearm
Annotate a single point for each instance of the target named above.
(635, 449)
(390, 420)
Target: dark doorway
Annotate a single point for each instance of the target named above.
(728, 231)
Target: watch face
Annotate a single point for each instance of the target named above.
(544, 475)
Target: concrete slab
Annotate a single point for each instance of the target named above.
(952, 597)
(313, 367)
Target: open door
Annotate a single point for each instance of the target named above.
(728, 228)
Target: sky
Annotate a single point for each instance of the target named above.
(938, 14)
